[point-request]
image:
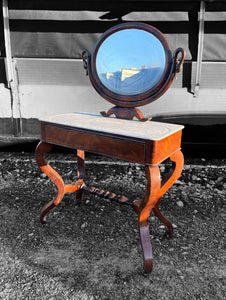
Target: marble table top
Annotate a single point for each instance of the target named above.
(149, 130)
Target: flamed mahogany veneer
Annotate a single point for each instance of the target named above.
(147, 143)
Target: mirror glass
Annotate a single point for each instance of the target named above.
(130, 61)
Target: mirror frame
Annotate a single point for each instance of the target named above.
(140, 99)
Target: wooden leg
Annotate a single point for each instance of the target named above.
(154, 192)
(177, 166)
(80, 173)
(41, 149)
(150, 200)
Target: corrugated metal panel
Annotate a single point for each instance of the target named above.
(60, 86)
(213, 75)
(214, 46)
(51, 72)
(71, 72)
(215, 35)
(63, 34)
(43, 30)
(67, 72)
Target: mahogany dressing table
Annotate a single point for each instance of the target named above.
(127, 82)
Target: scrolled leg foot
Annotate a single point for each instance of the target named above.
(164, 220)
(45, 210)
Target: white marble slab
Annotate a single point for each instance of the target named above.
(149, 130)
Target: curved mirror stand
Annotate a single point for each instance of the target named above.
(127, 65)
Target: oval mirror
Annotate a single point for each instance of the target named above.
(130, 62)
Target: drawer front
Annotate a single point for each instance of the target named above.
(113, 146)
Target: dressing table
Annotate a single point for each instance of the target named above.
(131, 65)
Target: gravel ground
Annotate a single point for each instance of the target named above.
(92, 250)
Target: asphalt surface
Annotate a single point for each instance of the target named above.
(92, 251)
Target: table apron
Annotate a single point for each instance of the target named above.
(109, 145)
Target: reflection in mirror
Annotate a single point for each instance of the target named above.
(130, 61)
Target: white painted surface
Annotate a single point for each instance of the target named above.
(5, 102)
(45, 100)
(147, 130)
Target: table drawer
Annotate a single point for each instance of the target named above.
(100, 143)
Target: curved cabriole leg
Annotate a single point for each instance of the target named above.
(145, 206)
(43, 148)
(177, 166)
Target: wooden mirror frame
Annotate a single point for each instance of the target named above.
(172, 66)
